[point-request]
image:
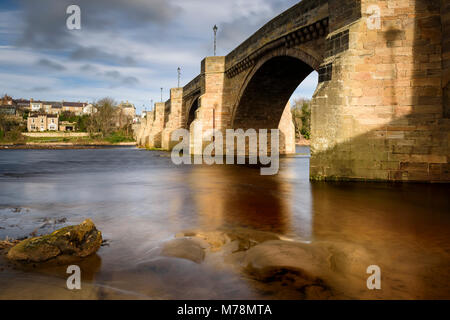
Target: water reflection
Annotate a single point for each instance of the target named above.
(403, 228)
(140, 199)
(232, 196)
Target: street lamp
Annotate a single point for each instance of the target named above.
(215, 35)
(161, 94)
(179, 75)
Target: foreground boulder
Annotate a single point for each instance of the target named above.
(76, 241)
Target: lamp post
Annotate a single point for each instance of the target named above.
(161, 94)
(215, 35)
(179, 76)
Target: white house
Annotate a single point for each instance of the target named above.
(35, 106)
(89, 109)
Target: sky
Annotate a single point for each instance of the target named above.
(125, 49)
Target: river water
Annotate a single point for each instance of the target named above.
(139, 199)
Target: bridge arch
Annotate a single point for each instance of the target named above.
(190, 112)
(268, 87)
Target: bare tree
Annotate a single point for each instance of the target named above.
(103, 121)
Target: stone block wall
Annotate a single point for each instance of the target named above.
(155, 135)
(174, 117)
(211, 83)
(381, 115)
(445, 22)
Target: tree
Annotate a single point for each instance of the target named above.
(102, 121)
(83, 123)
(11, 129)
(67, 116)
(301, 116)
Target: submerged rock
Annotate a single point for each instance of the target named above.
(76, 241)
(215, 240)
(185, 249)
(297, 265)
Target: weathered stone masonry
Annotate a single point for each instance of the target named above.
(381, 108)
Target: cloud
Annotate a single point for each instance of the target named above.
(88, 67)
(46, 63)
(96, 54)
(112, 74)
(40, 89)
(130, 81)
(45, 20)
(121, 80)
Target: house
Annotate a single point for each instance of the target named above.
(42, 122)
(35, 105)
(22, 104)
(67, 126)
(74, 107)
(127, 109)
(56, 108)
(8, 109)
(89, 109)
(52, 107)
(125, 114)
(6, 100)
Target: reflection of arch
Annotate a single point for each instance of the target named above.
(191, 112)
(268, 87)
(238, 196)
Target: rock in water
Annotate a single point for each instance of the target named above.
(185, 249)
(77, 241)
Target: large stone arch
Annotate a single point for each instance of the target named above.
(190, 111)
(268, 86)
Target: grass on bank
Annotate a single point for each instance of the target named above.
(114, 138)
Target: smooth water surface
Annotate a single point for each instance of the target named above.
(138, 199)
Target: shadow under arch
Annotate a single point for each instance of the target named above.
(190, 112)
(268, 87)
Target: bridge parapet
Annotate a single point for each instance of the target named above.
(192, 87)
(303, 22)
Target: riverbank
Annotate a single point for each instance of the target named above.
(66, 140)
(66, 145)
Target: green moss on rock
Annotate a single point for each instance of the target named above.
(79, 241)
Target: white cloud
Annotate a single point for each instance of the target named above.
(123, 58)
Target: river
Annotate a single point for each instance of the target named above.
(139, 199)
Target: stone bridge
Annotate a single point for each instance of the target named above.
(381, 107)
